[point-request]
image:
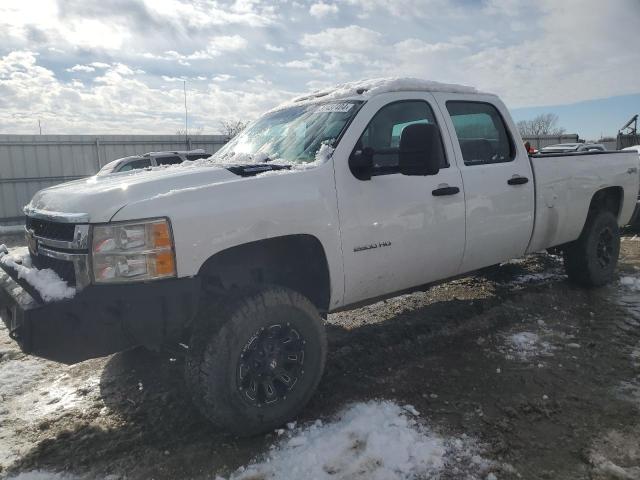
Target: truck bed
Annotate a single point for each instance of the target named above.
(565, 185)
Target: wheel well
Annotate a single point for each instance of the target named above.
(294, 261)
(609, 199)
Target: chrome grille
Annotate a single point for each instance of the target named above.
(52, 230)
(61, 246)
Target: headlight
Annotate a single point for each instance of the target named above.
(131, 252)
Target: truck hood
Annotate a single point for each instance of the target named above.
(98, 198)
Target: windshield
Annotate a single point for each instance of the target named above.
(291, 135)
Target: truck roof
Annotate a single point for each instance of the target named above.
(366, 89)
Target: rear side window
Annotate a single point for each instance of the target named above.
(384, 132)
(197, 156)
(482, 133)
(134, 165)
(168, 160)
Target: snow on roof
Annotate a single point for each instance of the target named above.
(365, 89)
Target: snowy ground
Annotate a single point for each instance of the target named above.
(513, 373)
(373, 440)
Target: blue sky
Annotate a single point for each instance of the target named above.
(117, 66)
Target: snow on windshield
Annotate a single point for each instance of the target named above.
(295, 135)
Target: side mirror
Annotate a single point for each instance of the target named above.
(361, 163)
(421, 151)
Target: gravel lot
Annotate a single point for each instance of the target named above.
(518, 373)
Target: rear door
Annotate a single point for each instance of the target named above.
(396, 233)
(497, 177)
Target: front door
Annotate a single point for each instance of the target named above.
(397, 233)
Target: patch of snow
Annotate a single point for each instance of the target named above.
(632, 283)
(373, 440)
(323, 154)
(524, 346)
(47, 282)
(33, 389)
(536, 278)
(42, 475)
(18, 373)
(616, 455)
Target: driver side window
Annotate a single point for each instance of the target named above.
(384, 132)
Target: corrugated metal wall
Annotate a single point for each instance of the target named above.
(541, 141)
(29, 163)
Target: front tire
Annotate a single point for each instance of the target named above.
(255, 359)
(592, 259)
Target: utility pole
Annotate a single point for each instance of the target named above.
(39, 127)
(186, 114)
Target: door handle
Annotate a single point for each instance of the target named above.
(517, 180)
(447, 190)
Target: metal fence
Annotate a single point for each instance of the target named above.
(627, 140)
(541, 141)
(29, 163)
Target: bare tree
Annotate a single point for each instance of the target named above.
(544, 124)
(231, 128)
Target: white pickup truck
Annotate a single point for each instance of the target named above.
(334, 200)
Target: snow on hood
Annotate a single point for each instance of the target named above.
(98, 198)
(365, 89)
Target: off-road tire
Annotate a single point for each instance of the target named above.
(592, 259)
(225, 326)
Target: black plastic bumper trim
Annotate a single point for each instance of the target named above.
(99, 320)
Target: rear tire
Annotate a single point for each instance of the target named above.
(592, 259)
(255, 358)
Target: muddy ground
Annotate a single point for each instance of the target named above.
(545, 375)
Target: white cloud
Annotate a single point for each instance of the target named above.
(348, 45)
(222, 78)
(166, 78)
(322, 9)
(273, 48)
(118, 101)
(208, 14)
(528, 52)
(351, 38)
(303, 64)
(408, 9)
(216, 46)
(81, 68)
(231, 43)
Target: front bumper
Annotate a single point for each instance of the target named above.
(99, 320)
